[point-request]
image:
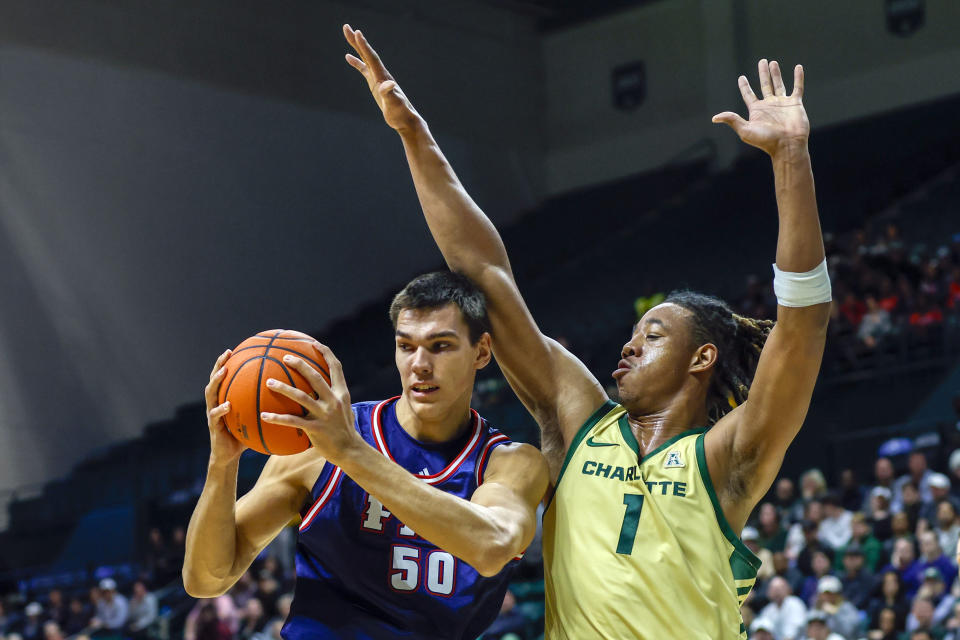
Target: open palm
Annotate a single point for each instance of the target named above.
(775, 120)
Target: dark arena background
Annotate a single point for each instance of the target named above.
(177, 176)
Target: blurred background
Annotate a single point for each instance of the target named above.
(177, 176)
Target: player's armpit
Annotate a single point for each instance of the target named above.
(745, 449)
(514, 483)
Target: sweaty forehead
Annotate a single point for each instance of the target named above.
(420, 323)
(668, 315)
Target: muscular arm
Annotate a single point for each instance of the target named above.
(225, 535)
(556, 388)
(745, 449)
(487, 531)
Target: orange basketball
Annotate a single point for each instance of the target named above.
(252, 363)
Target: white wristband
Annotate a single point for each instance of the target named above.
(802, 289)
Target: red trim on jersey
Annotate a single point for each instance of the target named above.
(482, 460)
(377, 428)
(324, 497)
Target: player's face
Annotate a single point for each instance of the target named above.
(656, 359)
(436, 361)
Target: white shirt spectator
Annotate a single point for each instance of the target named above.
(143, 611)
(112, 611)
(836, 531)
(789, 619)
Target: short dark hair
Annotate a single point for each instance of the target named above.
(440, 288)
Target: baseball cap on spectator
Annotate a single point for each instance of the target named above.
(932, 573)
(829, 584)
(749, 533)
(955, 460)
(883, 492)
(107, 584)
(894, 447)
(818, 615)
(761, 624)
(938, 481)
(33, 609)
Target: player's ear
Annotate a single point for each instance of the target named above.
(704, 358)
(484, 348)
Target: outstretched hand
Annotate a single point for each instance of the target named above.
(778, 120)
(396, 108)
(328, 420)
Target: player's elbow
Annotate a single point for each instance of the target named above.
(496, 551)
(198, 586)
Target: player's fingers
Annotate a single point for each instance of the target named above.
(731, 119)
(746, 91)
(798, 81)
(316, 380)
(766, 87)
(371, 57)
(337, 381)
(284, 420)
(218, 412)
(356, 63)
(777, 79)
(351, 36)
(305, 400)
(212, 390)
(223, 358)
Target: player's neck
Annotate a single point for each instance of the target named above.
(442, 427)
(654, 427)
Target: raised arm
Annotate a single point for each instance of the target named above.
(556, 387)
(486, 532)
(225, 535)
(745, 449)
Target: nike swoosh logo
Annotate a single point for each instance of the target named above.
(591, 443)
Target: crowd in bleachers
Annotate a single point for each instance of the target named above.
(857, 560)
(888, 293)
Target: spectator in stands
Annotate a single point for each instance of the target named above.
(928, 314)
(812, 545)
(842, 616)
(52, 631)
(880, 515)
(918, 474)
(226, 612)
(836, 527)
(857, 581)
(934, 590)
(209, 626)
(787, 503)
(32, 627)
(283, 609)
(178, 547)
(904, 561)
(56, 607)
(889, 594)
(158, 560)
(883, 477)
(761, 629)
(782, 568)
(885, 627)
(786, 612)
(772, 535)
(252, 620)
(112, 609)
(922, 616)
(932, 556)
(243, 590)
(955, 459)
(143, 611)
(818, 627)
(78, 616)
(911, 504)
(851, 493)
(861, 537)
(268, 591)
(953, 624)
(510, 622)
(820, 566)
(948, 528)
(813, 486)
(875, 325)
(939, 492)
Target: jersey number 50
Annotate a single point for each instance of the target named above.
(439, 579)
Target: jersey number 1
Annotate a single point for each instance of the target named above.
(631, 518)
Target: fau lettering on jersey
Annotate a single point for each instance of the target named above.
(364, 575)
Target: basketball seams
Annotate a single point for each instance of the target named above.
(323, 370)
(263, 363)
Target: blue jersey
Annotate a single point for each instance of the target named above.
(363, 575)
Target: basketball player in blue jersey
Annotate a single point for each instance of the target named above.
(411, 511)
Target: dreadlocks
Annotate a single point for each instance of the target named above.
(739, 341)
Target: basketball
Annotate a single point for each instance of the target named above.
(252, 363)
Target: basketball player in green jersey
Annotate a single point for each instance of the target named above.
(641, 538)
